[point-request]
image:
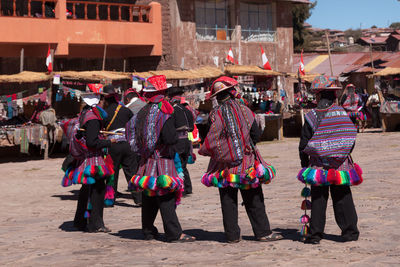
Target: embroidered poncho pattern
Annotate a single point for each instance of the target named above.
(234, 162)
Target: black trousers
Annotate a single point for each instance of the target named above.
(254, 203)
(166, 205)
(343, 207)
(122, 154)
(95, 193)
(376, 117)
(183, 148)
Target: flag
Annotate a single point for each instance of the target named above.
(49, 61)
(302, 70)
(265, 61)
(230, 57)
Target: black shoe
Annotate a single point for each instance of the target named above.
(311, 241)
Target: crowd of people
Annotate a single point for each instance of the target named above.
(148, 136)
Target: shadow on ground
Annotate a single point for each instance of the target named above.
(74, 195)
(68, 226)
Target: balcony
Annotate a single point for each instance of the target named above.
(79, 28)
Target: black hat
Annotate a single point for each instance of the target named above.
(173, 91)
(109, 89)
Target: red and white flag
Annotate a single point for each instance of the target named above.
(265, 61)
(230, 57)
(49, 61)
(302, 70)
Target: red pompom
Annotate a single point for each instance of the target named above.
(332, 176)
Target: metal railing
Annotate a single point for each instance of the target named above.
(76, 10)
(107, 11)
(258, 35)
(226, 34)
(214, 33)
(28, 8)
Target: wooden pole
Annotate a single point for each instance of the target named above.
(300, 88)
(372, 61)
(104, 56)
(329, 51)
(21, 61)
(124, 67)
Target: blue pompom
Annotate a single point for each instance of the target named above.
(306, 192)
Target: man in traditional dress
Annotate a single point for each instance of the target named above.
(353, 104)
(133, 101)
(89, 167)
(327, 139)
(184, 123)
(235, 162)
(120, 152)
(152, 134)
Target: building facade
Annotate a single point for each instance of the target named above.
(144, 35)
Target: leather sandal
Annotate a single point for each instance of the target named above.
(100, 230)
(270, 238)
(184, 239)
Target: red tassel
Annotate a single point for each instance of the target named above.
(166, 107)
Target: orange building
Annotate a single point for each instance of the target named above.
(145, 34)
(77, 30)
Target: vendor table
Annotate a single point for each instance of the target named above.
(271, 126)
(390, 114)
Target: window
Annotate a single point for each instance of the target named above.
(212, 20)
(257, 21)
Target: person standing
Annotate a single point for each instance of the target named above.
(236, 163)
(184, 123)
(152, 134)
(120, 152)
(89, 167)
(374, 103)
(327, 139)
(133, 101)
(352, 103)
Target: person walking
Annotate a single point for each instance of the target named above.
(184, 123)
(236, 163)
(328, 137)
(120, 152)
(152, 134)
(89, 166)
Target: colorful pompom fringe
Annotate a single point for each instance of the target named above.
(88, 176)
(253, 177)
(157, 186)
(320, 177)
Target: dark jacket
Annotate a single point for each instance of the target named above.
(123, 116)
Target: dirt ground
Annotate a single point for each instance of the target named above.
(36, 218)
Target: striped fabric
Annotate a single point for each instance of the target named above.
(333, 139)
(351, 106)
(154, 123)
(229, 133)
(156, 175)
(232, 159)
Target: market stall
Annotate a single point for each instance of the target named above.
(260, 89)
(389, 79)
(23, 98)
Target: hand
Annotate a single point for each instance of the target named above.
(113, 141)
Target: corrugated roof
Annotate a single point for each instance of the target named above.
(340, 62)
(347, 62)
(375, 40)
(396, 36)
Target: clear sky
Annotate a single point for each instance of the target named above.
(345, 14)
